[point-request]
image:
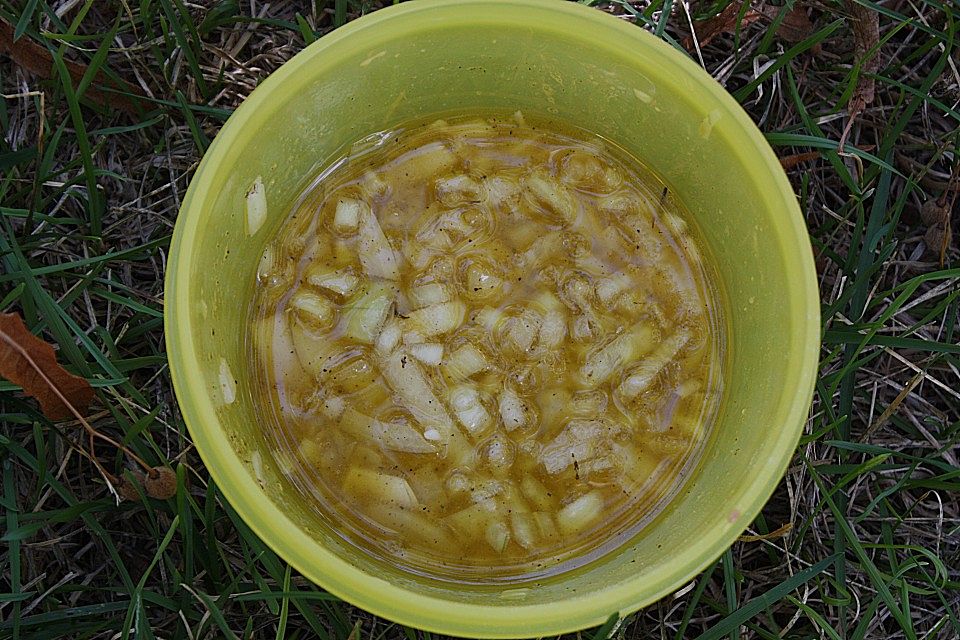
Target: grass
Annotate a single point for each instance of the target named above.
(88, 196)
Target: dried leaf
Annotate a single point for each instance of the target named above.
(939, 239)
(128, 486)
(866, 36)
(36, 59)
(779, 533)
(726, 21)
(795, 26)
(789, 162)
(161, 483)
(30, 362)
(935, 213)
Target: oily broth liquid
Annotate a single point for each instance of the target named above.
(488, 349)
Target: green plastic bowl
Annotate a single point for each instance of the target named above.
(548, 57)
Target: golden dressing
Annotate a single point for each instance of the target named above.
(488, 349)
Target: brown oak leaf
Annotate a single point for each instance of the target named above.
(726, 21)
(30, 362)
(35, 58)
(795, 26)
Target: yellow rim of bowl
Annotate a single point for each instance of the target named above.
(396, 602)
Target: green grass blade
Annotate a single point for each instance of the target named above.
(605, 630)
(729, 586)
(742, 94)
(25, 19)
(284, 607)
(876, 579)
(756, 605)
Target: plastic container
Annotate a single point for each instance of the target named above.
(540, 56)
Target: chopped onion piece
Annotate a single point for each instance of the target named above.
(418, 255)
(412, 337)
(589, 403)
(425, 295)
(407, 380)
(498, 535)
(513, 414)
(580, 513)
(333, 407)
(541, 249)
(502, 192)
(593, 265)
(675, 223)
(374, 185)
(536, 493)
(553, 330)
(440, 232)
(578, 291)
(412, 522)
(427, 483)
(548, 530)
(310, 452)
(413, 392)
(584, 328)
(470, 411)
(483, 491)
(643, 375)
(498, 452)
(552, 402)
(393, 436)
(430, 353)
(578, 443)
(315, 311)
(352, 374)
(373, 485)
(432, 159)
(489, 318)
(436, 319)
(269, 266)
(610, 288)
(457, 190)
(550, 197)
(524, 529)
(481, 281)
(342, 282)
(389, 337)
(472, 521)
(458, 482)
(346, 217)
(522, 330)
(605, 361)
(547, 301)
(376, 255)
(465, 362)
(315, 351)
(364, 317)
(585, 171)
(635, 216)
(637, 467)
